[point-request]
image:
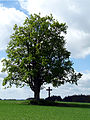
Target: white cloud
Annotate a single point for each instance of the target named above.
(15, 93)
(74, 13)
(78, 43)
(8, 17)
(32, 6)
(85, 81)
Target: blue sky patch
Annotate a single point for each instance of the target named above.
(13, 4)
(81, 64)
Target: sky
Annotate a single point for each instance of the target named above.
(75, 13)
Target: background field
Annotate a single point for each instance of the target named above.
(20, 110)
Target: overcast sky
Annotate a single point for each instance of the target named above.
(76, 15)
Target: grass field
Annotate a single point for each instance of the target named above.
(20, 110)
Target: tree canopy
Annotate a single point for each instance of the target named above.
(37, 55)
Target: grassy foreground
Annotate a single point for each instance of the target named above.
(20, 110)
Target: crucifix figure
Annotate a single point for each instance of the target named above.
(49, 91)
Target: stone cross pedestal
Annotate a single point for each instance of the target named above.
(49, 91)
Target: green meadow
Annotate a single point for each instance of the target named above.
(20, 110)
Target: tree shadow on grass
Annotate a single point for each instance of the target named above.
(52, 103)
(81, 105)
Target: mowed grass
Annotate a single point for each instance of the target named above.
(20, 110)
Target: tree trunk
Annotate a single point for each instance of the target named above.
(37, 92)
(36, 95)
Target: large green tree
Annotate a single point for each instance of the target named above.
(37, 55)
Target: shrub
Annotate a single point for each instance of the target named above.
(42, 102)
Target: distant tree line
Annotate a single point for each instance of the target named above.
(73, 98)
